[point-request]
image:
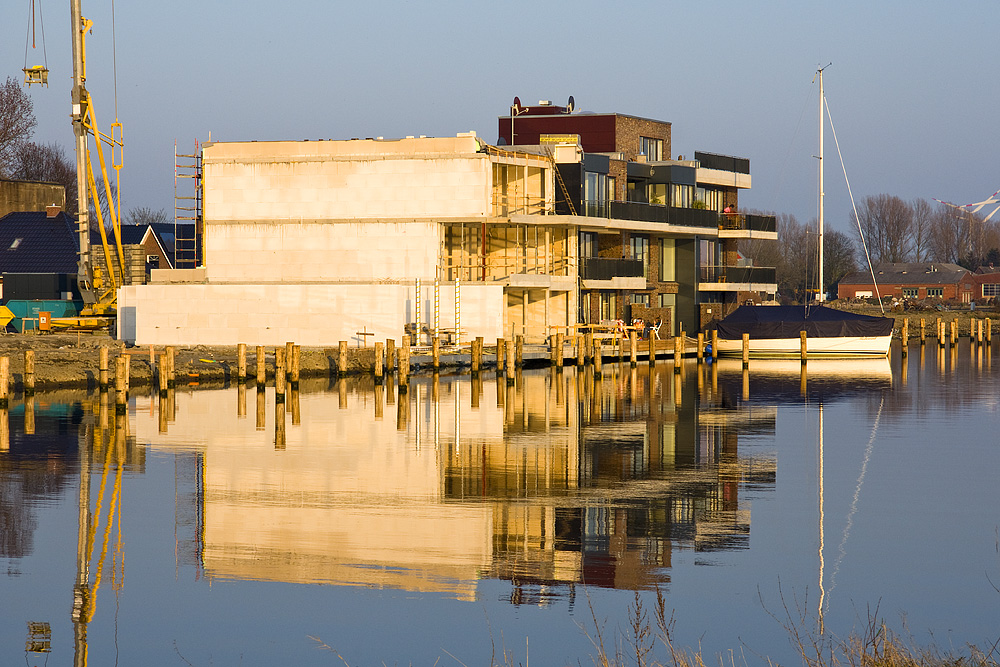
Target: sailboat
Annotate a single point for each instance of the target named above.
(775, 331)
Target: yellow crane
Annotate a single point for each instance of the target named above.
(99, 289)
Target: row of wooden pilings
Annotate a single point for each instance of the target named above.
(980, 332)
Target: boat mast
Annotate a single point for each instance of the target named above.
(821, 293)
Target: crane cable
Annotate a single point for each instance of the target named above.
(31, 32)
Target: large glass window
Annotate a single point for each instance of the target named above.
(588, 244)
(658, 194)
(639, 246)
(595, 186)
(667, 262)
(651, 148)
(681, 196)
(609, 307)
(989, 289)
(712, 199)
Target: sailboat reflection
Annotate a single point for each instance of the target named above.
(555, 480)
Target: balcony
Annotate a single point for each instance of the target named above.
(739, 222)
(603, 273)
(600, 268)
(717, 277)
(737, 225)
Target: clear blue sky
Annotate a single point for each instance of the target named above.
(912, 85)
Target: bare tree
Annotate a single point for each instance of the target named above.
(17, 121)
(144, 215)
(46, 162)
(886, 222)
(923, 215)
(839, 257)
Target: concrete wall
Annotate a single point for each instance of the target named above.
(308, 314)
(321, 251)
(28, 196)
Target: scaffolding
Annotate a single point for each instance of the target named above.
(188, 224)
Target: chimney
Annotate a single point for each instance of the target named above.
(52, 210)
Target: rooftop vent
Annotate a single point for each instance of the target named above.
(544, 103)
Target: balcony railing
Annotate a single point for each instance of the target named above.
(684, 217)
(737, 274)
(600, 268)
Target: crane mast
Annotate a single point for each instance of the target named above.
(80, 101)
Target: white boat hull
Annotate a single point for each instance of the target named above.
(836, 346)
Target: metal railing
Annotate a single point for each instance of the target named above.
(600, 268)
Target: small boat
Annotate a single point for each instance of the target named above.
(774, 332)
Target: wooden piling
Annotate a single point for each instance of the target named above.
(379, 370)
(989, 331)
(940, 332)
(701, 347)
(954, 332)
(436, 353)
(121, 390)
(342, 358)
(293, 374)
(403, 372)
(501, 349)
(923, 335)
(558, 351)
(581, 350)
(171, 358)
(241, 363)
(103, 368)
(678, 353)
(162, 374)
(803, 346)
(746, 350)
(651, 343)
(588, 344)
(598, 358)
(288, 360)
(29, 372)
(518, 351)
(390, 356)
(633, 348)
(510, 364)
(979, 333)
(905, 334)
(715, 344)
(477, 355)
(4, 381)
(280, 374)
(261, 361)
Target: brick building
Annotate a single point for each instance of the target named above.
(909, 280)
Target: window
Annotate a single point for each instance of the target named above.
(651, 148)
(991, 289)
(681, 196)
(612, 192)
(588, 244)
(910, 292)
(936, 291)
(640, 250)
(595, 186)
(640, 299)
(667, 273)
(712, 199)
(609, 308)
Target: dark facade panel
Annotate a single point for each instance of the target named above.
(39, 286)
(597, 131)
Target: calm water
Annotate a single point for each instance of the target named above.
(468, 517)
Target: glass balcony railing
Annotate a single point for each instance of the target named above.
(600, 268)
(737, 274)
(672, 215)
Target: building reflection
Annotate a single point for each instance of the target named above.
(555, 480)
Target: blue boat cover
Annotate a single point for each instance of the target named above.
(788, 321)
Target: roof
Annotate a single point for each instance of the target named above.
(164, 233)
(34, 243)
(908, 273)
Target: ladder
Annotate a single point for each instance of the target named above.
(562, 184)
(188, 229)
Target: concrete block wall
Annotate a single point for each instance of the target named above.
(321, 251)
(308, 314)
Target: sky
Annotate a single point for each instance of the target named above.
(910, 84)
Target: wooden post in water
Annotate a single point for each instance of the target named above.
(390, 356)
(598, 358)
(581, 350)
(288, 360)
(261, 360)
(436, 352)
(293, 375)
(342, 358)
(518, 351)
(803, 346)
(905, 335)
(940, 332)
(280, 375)
(746, 350)
(241, 363)
(103, 369)
(501, 349)
(403, 372)
(715, 344)
(989, 331)
(477, 355)
(954, 332)
(29, 372)
(588, 345)
(701, 347)
(171, 377)
(162, 374)
(923, 336)
(379, 371)
(678, 353)
(651, 343)
(121, 388)
(4, 382)
(510, 364)
(559, 350)
(633, 351)
(979, 333)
